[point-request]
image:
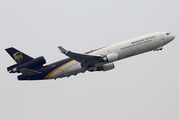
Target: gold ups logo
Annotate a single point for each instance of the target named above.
(18, 57)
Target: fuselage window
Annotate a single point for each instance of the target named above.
(167, 33)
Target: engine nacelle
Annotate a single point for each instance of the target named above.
(111, 57)
(31, 64)
(106, 67)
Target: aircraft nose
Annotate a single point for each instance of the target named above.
(172, 36)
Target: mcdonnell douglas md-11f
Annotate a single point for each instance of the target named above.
(96, 60)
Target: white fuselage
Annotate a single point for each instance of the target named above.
(124, 49)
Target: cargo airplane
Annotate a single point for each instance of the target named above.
(95, 60)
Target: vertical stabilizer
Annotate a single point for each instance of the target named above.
(18, 56)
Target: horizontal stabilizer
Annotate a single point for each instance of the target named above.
(29, 72)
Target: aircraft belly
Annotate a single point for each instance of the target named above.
(57, 74)
(62, 71)
(74, 69)
(147, 47)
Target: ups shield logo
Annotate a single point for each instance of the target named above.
(18, 57)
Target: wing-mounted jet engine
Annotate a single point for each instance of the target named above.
(111, 57)
(105, 67)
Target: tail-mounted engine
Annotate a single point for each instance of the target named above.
(37, 62)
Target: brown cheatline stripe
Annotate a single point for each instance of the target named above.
(47, 76)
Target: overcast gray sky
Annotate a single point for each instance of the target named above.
(143, 87)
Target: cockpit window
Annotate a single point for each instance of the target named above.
(168, 33)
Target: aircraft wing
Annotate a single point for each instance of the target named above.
(85, 59)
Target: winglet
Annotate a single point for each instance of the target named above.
(62, 49)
